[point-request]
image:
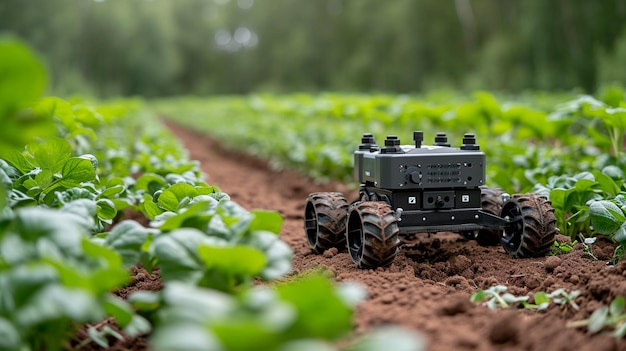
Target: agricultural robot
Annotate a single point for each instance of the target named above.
(425, 189)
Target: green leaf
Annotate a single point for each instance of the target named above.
(93, 250)
(106, 209)
(111, 192)
(258, 337)
(390, 338)
(77, 170)
(9, 335)
(196, 303)
(18, 161)
(100, 337)
(22, 78)
(55, 301)
(236, 260)
(510, 298)
(584, 184)
(138, 326)
(151, 208)
(127, 238)
(84, 210)
(52, 154)
(620, 235)
(614, 172)
(174, 195)
(557, 197)
(59, 108)
(44, 178)
(606, 217)
(64, 229)
(598, 319)
(196, 216)
(620, 331)
(146, 301)
(277, 253)
(270, 221)
(95, 280)
(607, 184)
(132, 324)
(184, 337)
(87, 116)
(541, 297)
(617, 306)
(118, 309)
(122, 204)
(150, 183)
(479, 296)
(177, 253)
(320, 311)
(580, 216)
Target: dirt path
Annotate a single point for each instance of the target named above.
(428, 286)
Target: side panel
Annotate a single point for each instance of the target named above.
(431, 171)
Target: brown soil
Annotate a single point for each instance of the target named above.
(428, 286)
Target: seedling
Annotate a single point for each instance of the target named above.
(99, 336)
(496, 296)
(612, 317)
(587, 249)
(562, 248)
(563, 298)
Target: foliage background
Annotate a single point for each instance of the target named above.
(166, 47)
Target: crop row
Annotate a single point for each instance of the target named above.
(69, 173)
(570, 150)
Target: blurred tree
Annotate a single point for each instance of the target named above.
(165, 47)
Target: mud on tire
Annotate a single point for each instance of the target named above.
(532, 228)
(491, 202)
(372, 234)
(325, 221)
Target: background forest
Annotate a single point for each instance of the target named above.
(160, 47)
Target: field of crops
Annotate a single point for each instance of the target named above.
(569, 148)
(72, 173)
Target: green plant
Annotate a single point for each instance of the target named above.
(54, 278)
(589, 111)
(308, 312)
(497, 297)
(608, 218)
(587, 244)
(557, 152)
(563, 298)
(562, 248)
(60, 259)
(571, 198)
(612, 317)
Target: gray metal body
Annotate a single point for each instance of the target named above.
(431, 188)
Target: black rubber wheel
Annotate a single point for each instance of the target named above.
(491, 202)
(325, 221)
(532, 226)
(468, 234)
(372, 234)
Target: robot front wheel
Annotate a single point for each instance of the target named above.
(372, 234)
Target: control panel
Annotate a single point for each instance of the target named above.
(437, 166)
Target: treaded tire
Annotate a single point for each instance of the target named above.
(491, 202)
(532, 229)
(325, 221)
(372, 234)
